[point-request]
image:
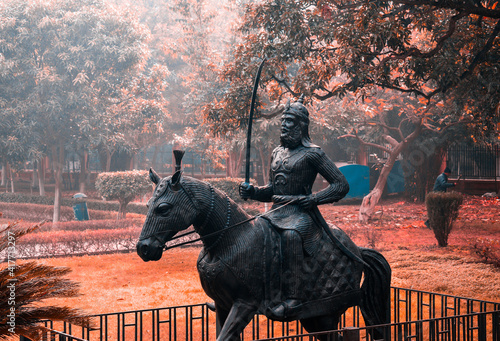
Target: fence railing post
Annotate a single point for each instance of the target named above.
(350, 334)
(495, 321)
(481, 321)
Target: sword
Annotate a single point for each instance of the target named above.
(250, 120)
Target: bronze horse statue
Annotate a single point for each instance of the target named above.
(239, 265)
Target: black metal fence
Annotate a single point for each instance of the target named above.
(478, 162)
(416, 316)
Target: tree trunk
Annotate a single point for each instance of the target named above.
(83, 172)
(371, 200)
(108, 160)
(122, 210)
(58, 159)
(41, 177)
(12, 189)
(229, 173)
(154, 159)
(134, 163)
(4, 176)
(265, 173)
(234, 164)
(34, 178)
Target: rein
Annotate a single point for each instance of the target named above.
(224, 229)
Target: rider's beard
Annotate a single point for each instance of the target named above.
(291, 138)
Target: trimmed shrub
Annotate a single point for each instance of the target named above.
(123, 186)
(230, 186)
(442, 210)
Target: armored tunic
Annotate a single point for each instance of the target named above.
(292, 174)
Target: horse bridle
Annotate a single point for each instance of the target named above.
(207, 219)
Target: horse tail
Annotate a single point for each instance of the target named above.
(376, 289)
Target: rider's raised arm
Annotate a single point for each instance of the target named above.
(338, 185)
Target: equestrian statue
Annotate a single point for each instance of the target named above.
(288, 263)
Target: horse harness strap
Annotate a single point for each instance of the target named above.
(224, 229)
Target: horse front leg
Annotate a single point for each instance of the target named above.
(239, 316)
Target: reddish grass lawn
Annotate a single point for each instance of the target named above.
(119, 282)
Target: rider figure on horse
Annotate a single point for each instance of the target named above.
(294, 167)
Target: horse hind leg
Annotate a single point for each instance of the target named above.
(240, 314)
(376, 293)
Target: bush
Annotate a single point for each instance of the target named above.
(442, 209)
(230, 186)
(123, 186)
(488, 250)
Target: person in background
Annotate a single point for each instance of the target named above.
(442, 184)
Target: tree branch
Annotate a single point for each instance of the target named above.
(272, 112)
(444, 4)
(482, 54)
(481, 11)
(394, 143)
(385, 149)
(415, 52)
(383, 125)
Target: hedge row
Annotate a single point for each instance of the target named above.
(36, 213)
(68, 243)
(107, 224)
(91, 204)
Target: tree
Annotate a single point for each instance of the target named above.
(24, 288)
(446, 54)
(71, 61)
(123, 186)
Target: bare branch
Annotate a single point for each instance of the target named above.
(385, 149)
(394, 143)
(383, 125)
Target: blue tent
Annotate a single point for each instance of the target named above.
(358, 177)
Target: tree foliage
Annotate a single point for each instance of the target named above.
(123, 186)
(434, 65)
(76, 72)
(437, 51)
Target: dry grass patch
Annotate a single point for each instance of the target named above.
(444, 272)
(120, 282)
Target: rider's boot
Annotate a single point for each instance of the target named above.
(292, 257)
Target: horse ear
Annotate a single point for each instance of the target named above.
(176, 180)
(153, 176)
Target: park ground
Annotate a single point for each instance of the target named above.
(120, 282)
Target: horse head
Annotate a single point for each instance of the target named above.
(171, 209)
